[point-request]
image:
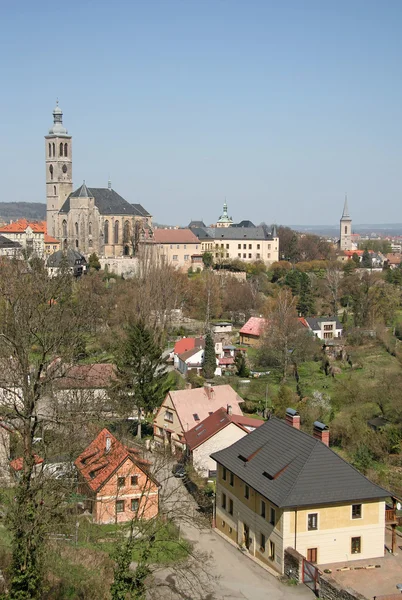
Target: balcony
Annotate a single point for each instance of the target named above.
(390, 516)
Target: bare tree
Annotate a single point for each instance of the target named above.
(333, 279)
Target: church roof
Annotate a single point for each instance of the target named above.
(107, 201)
(141, 210)
(345, 214)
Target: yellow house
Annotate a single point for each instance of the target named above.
(279, 487)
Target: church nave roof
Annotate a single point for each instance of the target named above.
(107, 201)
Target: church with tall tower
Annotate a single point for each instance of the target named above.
(88, 219)
(345, 238)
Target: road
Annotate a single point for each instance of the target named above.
(227, 573)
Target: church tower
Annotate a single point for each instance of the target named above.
(59, 170)
(345, 240)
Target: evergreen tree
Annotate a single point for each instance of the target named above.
(208, 259)
(356, 259)
(366, 260)
(306, 305)
(93, 262)
(141, 378)
(241, 366)
(209, 357)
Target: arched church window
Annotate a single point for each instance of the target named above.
(346, 228)
(51, 171)
(54, 149)
(76, 243)
(90, 228)
(65, 149)
(126, 232)
(50, 149)
(106, 232)
(116, 232)
(64, 227)
(76, 229)
(54, 190)
(61, 149)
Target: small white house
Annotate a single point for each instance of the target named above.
(219, 430)
(325, 328)
(222, 328)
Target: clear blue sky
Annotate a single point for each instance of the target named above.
(279, 106)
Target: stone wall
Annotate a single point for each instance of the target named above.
(331, 590)
(293, 564)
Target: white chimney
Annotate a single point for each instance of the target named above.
(229, 410)
(108, 443)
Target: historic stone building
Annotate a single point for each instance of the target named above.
(87, 219)
(345, 240)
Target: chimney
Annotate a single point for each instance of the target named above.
(108, 443)
(293, 418)
(208, 389)
(321, 432)
(229, 410)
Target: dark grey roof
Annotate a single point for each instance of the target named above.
(315, 322)
(107, 201)
(5, 242)
(141, 210)
(233, 233)
(244, 224)
(194, 224)
(292, 469)
(72, 257)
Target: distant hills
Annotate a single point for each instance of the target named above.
(381, 229)
(33, 211)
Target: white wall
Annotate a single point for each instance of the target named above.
(223, 439)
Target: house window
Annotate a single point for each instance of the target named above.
(134, 479)
(231, 479)
(171, 247)
(262, 509)
(269, 255)
(244, 246)
(135, 503)
(186, 257)
(121, 481)
(269, 246)
(258, 255)
(356, 545)
(239, 246)
(249, 255)
(224, 501)
(178, 246)
(356, 511)
(272, 516)
(328, 327)
(119, 506)
(175, 257)
(239, 255)
(246, 492)
(258, 246)
(250, 246)
(230, 506)
(185, 246)
(224, 473)
(223, 524)
(169, 416)
(262, 542)
(312, 555)
(328, 335)
(271, 550)
(244, 255)
(312, 521)
(227, 246)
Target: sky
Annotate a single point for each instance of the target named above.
(279, 107)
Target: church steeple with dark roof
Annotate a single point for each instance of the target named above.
(345, 238)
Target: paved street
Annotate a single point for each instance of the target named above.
(232, 575)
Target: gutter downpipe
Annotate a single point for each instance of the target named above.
(295, 528)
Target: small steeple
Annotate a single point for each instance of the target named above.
(109, 184)
(84, 193)
(58, 128)
(345, 214)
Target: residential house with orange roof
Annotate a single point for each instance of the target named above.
(251, 331)
(51, 244)
(117, 481)
(218, 431)
(30, 234)
(181, 410)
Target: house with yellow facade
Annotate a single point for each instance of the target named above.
(279, 487)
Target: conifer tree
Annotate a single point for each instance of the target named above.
(209, 357)
(141, 379)
(366, 260)
(241, 366)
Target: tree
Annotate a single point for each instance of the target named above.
(366, 260)
(241, 365)
(356, 259)
(209, 365)
(93, 262)
(41, 321)
(208, 259)
(333, 278)
(141, 377)
(305, 304)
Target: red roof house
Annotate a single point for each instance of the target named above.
(251, 331)
(116, 480)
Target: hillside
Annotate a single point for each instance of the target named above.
(11, 211)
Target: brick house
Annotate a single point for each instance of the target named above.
(116, 481)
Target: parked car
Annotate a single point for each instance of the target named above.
(179, 471)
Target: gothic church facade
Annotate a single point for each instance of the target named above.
(87, 219)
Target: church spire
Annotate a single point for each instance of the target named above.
(58, 128)
(345, 214)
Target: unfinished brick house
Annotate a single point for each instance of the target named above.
(116, 481)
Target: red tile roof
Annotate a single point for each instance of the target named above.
(254, 326)
(215, 423)
(175, 236)
(50, 240)
(189, 343)
(22, 224)
(94, 376)
(97, 463)
(226, 360)
(17, 463)
(394, 258)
